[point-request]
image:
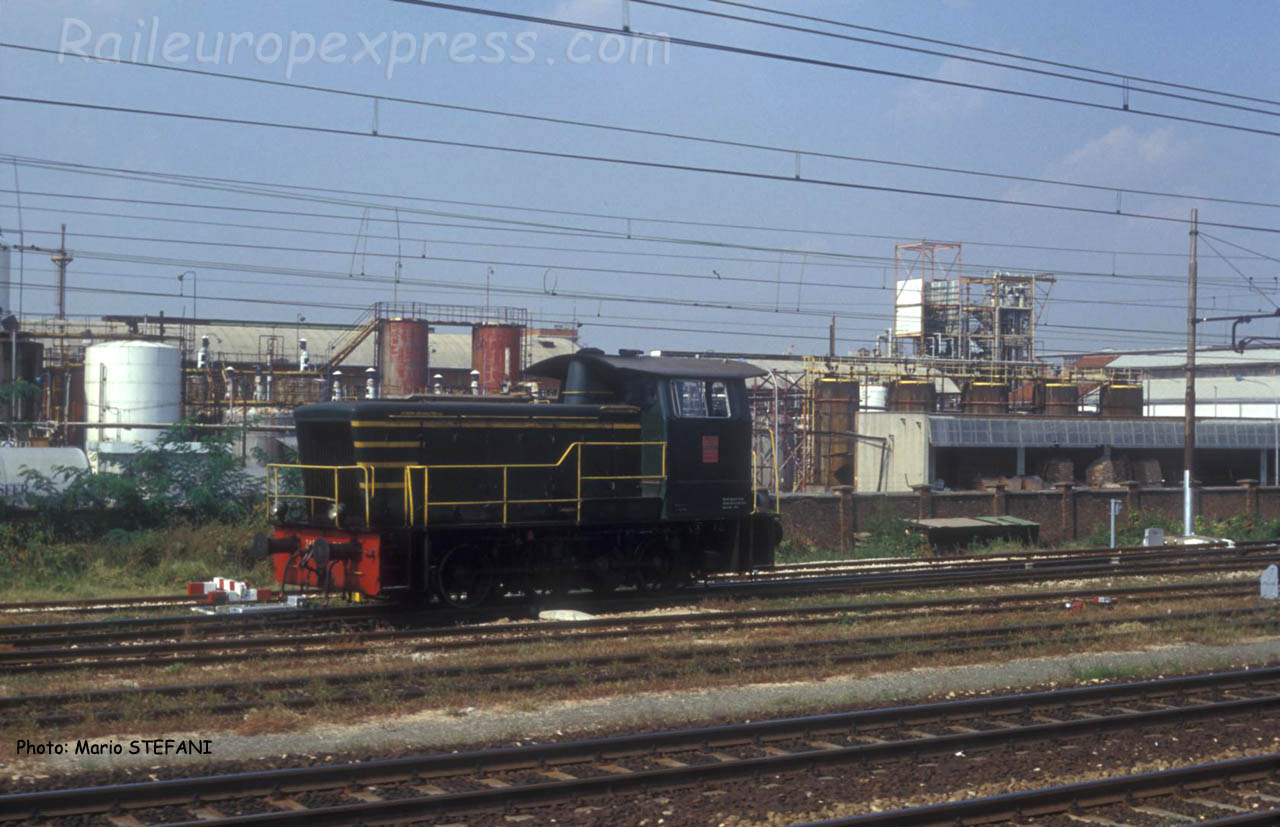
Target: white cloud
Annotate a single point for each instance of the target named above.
(1123, 150)
(1123, 158)
(930, 101)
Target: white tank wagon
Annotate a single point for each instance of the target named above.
(131, 383)
(14, 485)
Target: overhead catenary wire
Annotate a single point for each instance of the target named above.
(1014, 55)
(740, 144)
(609, 321)
(633, 162)
(290, 191)
(822, 311)
(1249, 281)
(1119, 85)
(828, 64)
(841, 260)
(1254, 253)
(561, 266)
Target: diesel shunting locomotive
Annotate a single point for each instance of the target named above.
(640, 476)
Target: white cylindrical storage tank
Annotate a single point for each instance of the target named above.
(131, 383)
(875, 397)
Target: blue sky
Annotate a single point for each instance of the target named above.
(555, 230)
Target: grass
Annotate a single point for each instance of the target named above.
(790, 552)
(151, 561)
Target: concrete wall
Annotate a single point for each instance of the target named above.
(1064, 514)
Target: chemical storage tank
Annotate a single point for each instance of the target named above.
(991, 398)
(132, 382)
(874, 397)
(1120, 400)
(495, 352)
(1061, 399)
(835, 411)
(913, 395)
(404, 354)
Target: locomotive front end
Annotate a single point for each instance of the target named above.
(321, 510)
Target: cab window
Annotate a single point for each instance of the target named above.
(701, 399)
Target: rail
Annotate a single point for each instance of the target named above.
(576, 449)
(274, 494)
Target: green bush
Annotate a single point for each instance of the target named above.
(1239, 527)
(1130, 526)
(173, 513)
(888, 535)
(174, 479)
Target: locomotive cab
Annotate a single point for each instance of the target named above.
(639, 476)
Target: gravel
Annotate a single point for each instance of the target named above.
(512, 724)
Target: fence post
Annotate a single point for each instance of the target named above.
(1132, 496)
(925, 495)
(846, 516)
(1068, 509)
(1250, 496)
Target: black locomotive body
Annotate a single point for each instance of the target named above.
(641, 475)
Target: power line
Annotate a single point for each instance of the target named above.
(1239, 247)
(586, 320)
(777, 281)
(739, 144)
(828, 64)
(557, 266)
(1240, 273)
(1012, 67)
(1014, 55)
(633, 162)
(508, 289)
(204, 182)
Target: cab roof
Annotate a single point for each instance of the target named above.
(557, 367)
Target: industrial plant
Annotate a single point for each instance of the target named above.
(952, 396)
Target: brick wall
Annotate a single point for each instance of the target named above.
(1064, 514)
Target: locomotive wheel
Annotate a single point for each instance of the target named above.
(607, 572)
(465, 578)
(653, 568)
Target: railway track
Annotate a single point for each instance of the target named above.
(1001, 569)
(881, 577)
(111, 646)
(1241, 791)
(374, 689)
(102, 604)
(883, 573)
(501, 781)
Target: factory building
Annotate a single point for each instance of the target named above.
(892, 424)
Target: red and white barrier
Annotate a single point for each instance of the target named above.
(226, 590)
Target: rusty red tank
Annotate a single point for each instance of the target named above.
(495, 352)
(405, 356)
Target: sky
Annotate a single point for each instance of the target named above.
(381, 182)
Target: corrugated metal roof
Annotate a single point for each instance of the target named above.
(1258, 389)
(1014, 432)
(1138, 361)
